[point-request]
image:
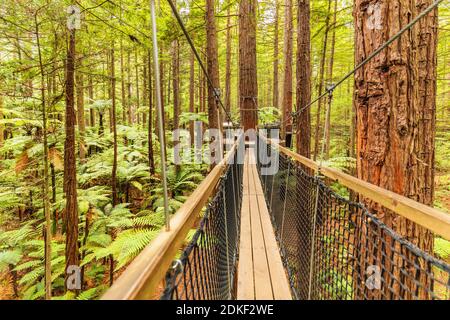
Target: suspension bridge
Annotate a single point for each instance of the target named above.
(285, 235)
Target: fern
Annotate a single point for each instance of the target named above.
(129, 244)
(9, 258)
(88, 294)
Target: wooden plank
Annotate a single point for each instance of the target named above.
(263, 285)
(245, 283)
(433, 219)
(256, 181)
(279, 281)
(145, 273)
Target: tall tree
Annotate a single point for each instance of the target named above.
(151, 160)
(191, 93)
(91, 99)
(395, 101)
(114, 124)
(228, 63)
(138, 98)
(70, 173)
(80, 108)
(46, 200)
(214, 117)
(321, 81)
(330, 81)
(115, 142)
(276, 56)
(303, 96)
(122, 82)
(176, 83)
(287, 77)
(248, 85)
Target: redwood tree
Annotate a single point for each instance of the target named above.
(394, 99)
(287, 77)
(213, 65)
(70, 175)
(275, 96)
(303, 96)
(248, 85)
(228, 63)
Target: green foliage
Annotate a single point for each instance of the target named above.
(186, 117)
(269, 115)
(442, 248)
(9, 258)
(345, 164)
(180, 182)
(32, 280)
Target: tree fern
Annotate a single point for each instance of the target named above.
(9, 258)
(129, 244)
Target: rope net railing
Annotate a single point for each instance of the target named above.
(335, 249)
(206, 269)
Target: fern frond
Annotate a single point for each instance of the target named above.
(88, 294)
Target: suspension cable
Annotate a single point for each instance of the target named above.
(371, 56)
(199, 60)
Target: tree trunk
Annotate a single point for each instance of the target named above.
(200, 90)
(303, 96)
(395, 101)
(248, 84)
(321, 82)
(191, 94)
(276, 53)
(129, 91)
(47, 214)
(114, 127)
(91, 100)
(286, 126)
(330, 81)
(138, 102)
(176, 84)
(80, 118)
(151, 160)
(213, 66)
(114, 166)
(70, 173)
(145, 78)
(228, 64)
(122, 83)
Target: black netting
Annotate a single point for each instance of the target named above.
(207, 267)
(333, 248)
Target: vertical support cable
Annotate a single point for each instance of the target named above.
(226, 240)
(160, 114)
(313, 242)
(316, 205)
(235, 201)
(285, 199)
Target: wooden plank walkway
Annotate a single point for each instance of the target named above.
(261, 275)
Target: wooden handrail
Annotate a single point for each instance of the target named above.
(433, 219)
(141, 278)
